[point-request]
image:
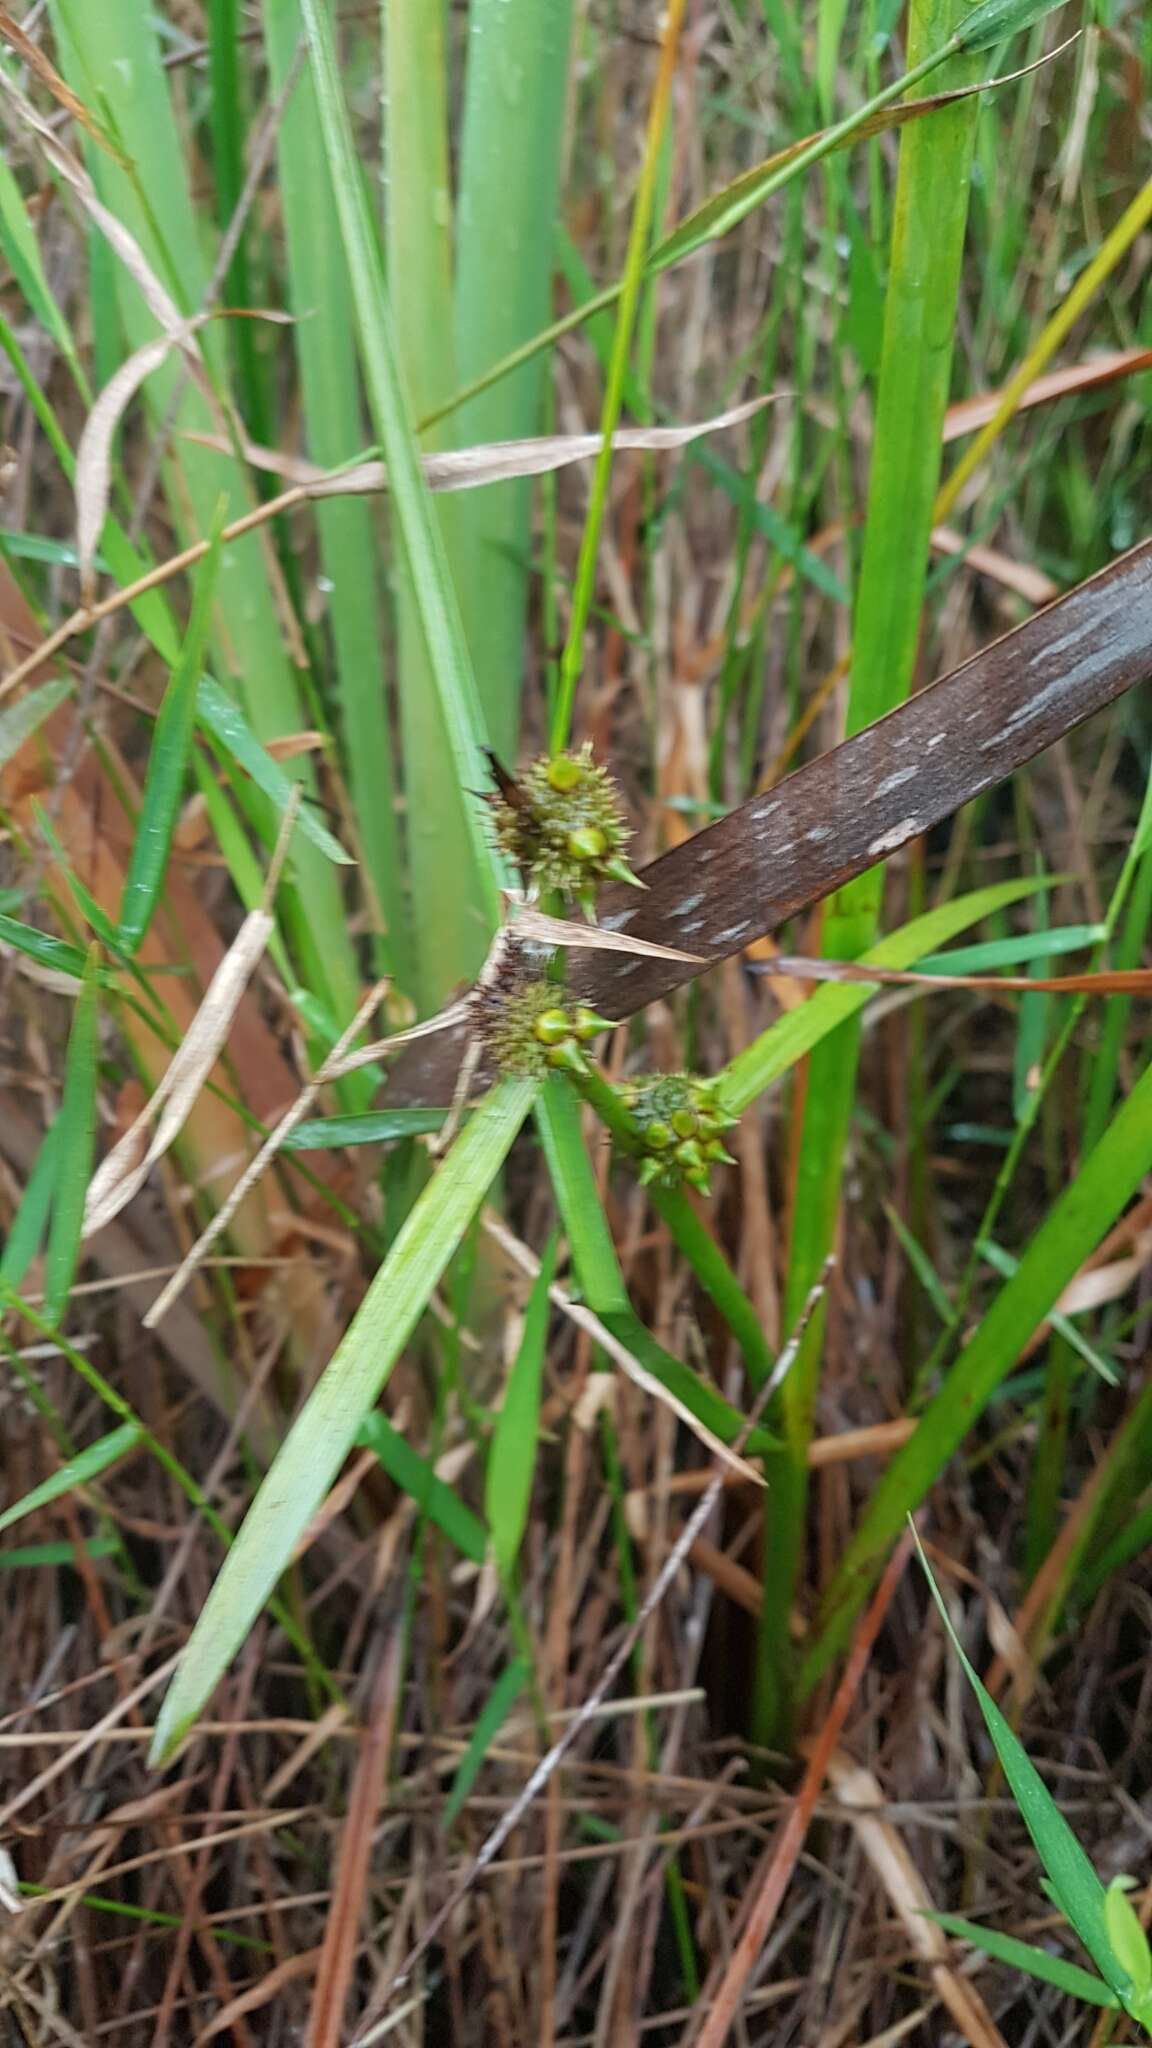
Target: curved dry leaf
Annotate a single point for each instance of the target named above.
(123, 1172)
(968, 415)
(489, 462)
(94, 452)
(158, 300)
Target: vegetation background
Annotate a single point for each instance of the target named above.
(243, 723)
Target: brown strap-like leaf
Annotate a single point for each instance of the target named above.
(860, 802)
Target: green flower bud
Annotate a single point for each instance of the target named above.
(588, 1024)
(689, 1155)
(564, 773)
(553, 1026)
(567, 1057)
(586, 843)
(684, 1122)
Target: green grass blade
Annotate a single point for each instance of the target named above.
(31, 1219)
(112, 56)
(495, 1712)
(22, 255)
(1003, 1263)
(223, 721)
(324, 340)
(78, 1471)
(419, 1480)
(1015, 952)
(75, 1147)
(792, 1036)
(572, 658)
(1072, 1229)
(985, 26)
(590, 1245)
(513, 127)
(374, 1127)
(919, 323)
(447, 912)
(512, 1453)
(326, 1427)
(598, 1270)
(167, 768)
(1033, 1962)
(19, 721)
(41, 947)
(1078, 1891)
(30, 1556)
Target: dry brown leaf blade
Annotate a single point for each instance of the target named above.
(19, 40)
(124, 1170)
(1133, 981)
(490, 462)
(969, 414)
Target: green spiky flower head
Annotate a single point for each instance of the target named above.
(679, 1119)
(525, 1025)
(562, 823)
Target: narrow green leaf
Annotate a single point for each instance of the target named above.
(702, 1400)
(97, 918)
(598, 1270)
(114, 58)
(1128, 1939)
(75, 1145)
(924, 267)
(375, 1127)
(1015, 952)
(1004, 1264)
(31, 1218)
(512, 1455)
(41, 947)
(1070, 1232)
(85, 1466)
(590, 1243)
(418, 1479)
(167, 766)
(425, 561)
(19, 721)
(991, 22)
(921, 1265)
(724, 210)
(224, 722)
(511, 144)
(1078, 1890)
(22, 254)
(1035, 1962)
(324, 342)
(29, 1555)
(792, 1036)
(497, 1707)
(326, 1427)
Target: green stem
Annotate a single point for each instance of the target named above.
(691, 1233)
(572, 658)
